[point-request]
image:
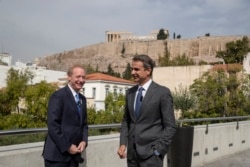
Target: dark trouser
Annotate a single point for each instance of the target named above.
(72, 163)
(152, 161)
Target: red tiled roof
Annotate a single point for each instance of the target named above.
(105, 77)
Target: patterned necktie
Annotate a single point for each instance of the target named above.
(78, 103)
(138, 102)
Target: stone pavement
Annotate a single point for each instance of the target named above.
(241, 159)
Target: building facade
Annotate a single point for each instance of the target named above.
(99, 85)
(6, 58)
(246, 63)
(39, 73)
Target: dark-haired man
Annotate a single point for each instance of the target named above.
(148, 124)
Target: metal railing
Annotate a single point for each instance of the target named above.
(118, 125)
(237, 118)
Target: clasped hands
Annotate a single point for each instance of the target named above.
(77, 149)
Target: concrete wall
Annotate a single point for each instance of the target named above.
(221, 140)
(172, 77)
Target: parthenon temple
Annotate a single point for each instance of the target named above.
(115, 36)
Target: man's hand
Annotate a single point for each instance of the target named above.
(122, 152)
(82, 146)
(73, 149)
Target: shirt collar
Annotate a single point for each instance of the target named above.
(72, 90)
(146, 85)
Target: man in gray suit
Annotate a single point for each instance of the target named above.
(146, 132)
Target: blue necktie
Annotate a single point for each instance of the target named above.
(78, 103)
(138, 102)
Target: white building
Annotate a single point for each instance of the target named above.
(98, 85)
(40, 73)
(246, 63)
(6, 58)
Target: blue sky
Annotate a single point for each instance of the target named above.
(37, 28)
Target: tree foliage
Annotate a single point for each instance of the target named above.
(127, 72)
(221, 94)
(183, 99)
(32, 98)
(89, 69)
(181, 60)
(112, 72)
(114, 109)
(178, 36)
(36, 100)
(162, 35)
(165, 60)
(235, 51)
(5, 105)
(17, 82)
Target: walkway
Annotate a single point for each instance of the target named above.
(241, 159)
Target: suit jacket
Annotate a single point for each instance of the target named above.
(66, 126)
(155, 126)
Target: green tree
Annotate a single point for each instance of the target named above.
(182, 61)
(127, 72)
(112, 72)
(235, 51)
(177, 61)
(114, 109)
(5, 106)
(89, 69)
(17, 82)
(220, 94)
(92, 117)
(183, 100)
(162, 35)
(210, 92)
(36, 100)
(114, 102)
(165, 60)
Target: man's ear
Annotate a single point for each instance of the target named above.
(149, 70)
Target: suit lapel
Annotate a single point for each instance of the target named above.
(72, 100)
(82, 108)
(131, 98)
(146, 99)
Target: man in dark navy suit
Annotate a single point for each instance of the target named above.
(67, 123)
(148, 124)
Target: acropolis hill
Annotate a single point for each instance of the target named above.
(119, 53)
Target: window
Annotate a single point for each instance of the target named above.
(93, 92)
(115, 91)
(106, 91)
(83, 91)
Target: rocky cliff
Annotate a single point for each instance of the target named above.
(118, 54)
